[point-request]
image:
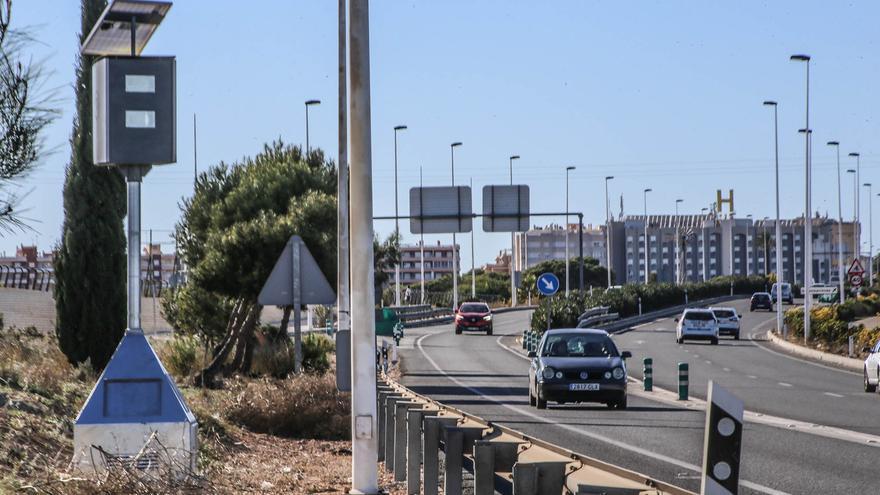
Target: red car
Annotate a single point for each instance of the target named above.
(473, 316)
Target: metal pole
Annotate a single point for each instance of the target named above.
(567, 170)
(839, 243)
(396, 223)
(705, 248)
(364, 479)
(870, 236)
(343, 293)
(454, 242)
(808, 220)
(581, 252)
(779, 271)
(473, 269)
(297, 309)
(512, 241)
(307, 130)
(647, 265)
(421, 249)
(607, 233)
(134, 247)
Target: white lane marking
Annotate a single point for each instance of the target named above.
(671, 398)
(832, 394)
(726, 369)
(783, 384)
(708, 362)
(578, 431)
(753, 377)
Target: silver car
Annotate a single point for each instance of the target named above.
(872, 367)
(728, 321)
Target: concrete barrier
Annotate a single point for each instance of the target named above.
(453, 450)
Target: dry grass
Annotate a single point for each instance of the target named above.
(40, 394)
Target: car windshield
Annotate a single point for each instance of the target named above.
(761, 296)
(723, 313)
(579, 345)
(474, 308)
(699, 316)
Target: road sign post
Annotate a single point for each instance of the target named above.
(548, 285)
(856, 273)
(722, 443)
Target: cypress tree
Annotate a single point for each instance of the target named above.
(90, 263)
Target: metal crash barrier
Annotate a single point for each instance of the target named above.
(20, 277)
(414, 431)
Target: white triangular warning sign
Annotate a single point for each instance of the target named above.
(856, 268)
(314, 288)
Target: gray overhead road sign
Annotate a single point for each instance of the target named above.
(280, 286)
(505, 208)
(440, 210)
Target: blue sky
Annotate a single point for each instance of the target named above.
(664, 95)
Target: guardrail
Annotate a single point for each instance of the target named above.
(20, 277)
(414, 429)
(421, 314)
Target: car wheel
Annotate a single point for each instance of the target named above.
(621, 402)
(540, 403)
(736, 336)
(531, 399)
(715, 341)
(457, 331)
(489, 331)
(868, 387)
(679, 340)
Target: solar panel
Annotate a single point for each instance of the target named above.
(111, 34)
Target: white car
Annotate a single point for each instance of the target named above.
(728, 321)
(872, 368)
(697, 324)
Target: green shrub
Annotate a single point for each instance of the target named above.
(183, 355)
(275, 359)
(316, 350)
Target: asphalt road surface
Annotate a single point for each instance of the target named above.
(812, 430)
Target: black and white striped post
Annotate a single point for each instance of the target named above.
(722, 443)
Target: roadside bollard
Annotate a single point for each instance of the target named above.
(682, 381)
(640, 306)
(685, 297)
(850, 343)
(648, 373)
(524, 335)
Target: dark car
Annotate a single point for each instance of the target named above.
(473, 316)
(761, 300)
(577, 365)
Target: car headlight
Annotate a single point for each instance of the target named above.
(559, 375)
(488, 317)
(607, 375)
(548, 373)
(617, 373)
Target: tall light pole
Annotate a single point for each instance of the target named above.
(704, 211)
(839, 243)
(473, 266)
(397, 128)
(454, 245)
(607, 231)
(870, 236)
(808, 215)
(647, 266)
(421, 248)
(365, 445)
(308, 104)
(855, 209)
(766, 252)
(567, 170)
(857, 232)
(512, 236)
(675, 250)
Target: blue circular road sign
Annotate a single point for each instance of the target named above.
(548, 284)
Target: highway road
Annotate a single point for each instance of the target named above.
(812, 429)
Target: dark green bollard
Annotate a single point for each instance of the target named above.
(648, 373)
(682, 381)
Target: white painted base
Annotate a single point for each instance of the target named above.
(175, 444)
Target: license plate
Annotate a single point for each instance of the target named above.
(575, 387)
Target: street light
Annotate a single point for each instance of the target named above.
(677, 223)
(855, 221)
(704, 212)
(647, 266)
(567, 170)
(607, 232)
(396, 219)
(836, 145)
(512, 235)
(308, 104)
(870, 236)
(808, 220)
(454, 245)
(858, 226)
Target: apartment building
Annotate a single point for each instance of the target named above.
(437, 262)
(548, 243)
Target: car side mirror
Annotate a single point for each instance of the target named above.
(676, 320)
(739, 315)
(626, 354)
(532, 354)
(866, 350)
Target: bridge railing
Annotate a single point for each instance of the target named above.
(26, 278)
